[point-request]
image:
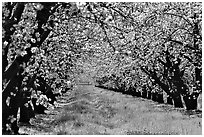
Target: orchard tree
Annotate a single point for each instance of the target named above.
(165, 43)
(134, 48)
(178, 41)
(26, 36)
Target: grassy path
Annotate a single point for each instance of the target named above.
(91, 110)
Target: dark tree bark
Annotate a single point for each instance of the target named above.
(9, 29)
(190, 101)
(24, 114)
(150, 73)
(144, 92)
(169, 100)
(11, 73)
(154, 96)
(177, 101)
(38, 109)
(160, 98)
(149, 95)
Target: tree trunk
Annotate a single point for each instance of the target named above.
(38, 109)
(177, 101)
(138, 94)
(199, 102)
(129, 92)
(134, 93)
(169, 100)
(154, 96)
(144, 92)
(14, 106)
(31, 111)
(160, 98)
(24, 114)
(12, 109)
(5, 114)
(7, 25)
(190, 101)
(149, 95)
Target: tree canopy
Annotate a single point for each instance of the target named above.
(122, 45)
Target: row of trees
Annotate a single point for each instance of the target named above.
(36, 67)
(160, 50)
(127, 46)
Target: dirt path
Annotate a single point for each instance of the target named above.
(91, 110)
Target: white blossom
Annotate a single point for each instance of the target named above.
(69, 84)
(34, 49)
(23, 53)
(116, 52)
(129, 52)
(5, 43)
(33, 40)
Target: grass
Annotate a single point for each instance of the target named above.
(94, 111)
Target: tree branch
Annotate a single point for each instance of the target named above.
(162, 62)
(9, 30)
(180, 16)
(107, 38)
(157, 80)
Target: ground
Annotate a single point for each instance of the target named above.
(91, 110)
